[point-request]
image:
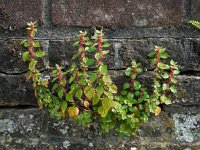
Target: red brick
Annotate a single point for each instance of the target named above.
(117, 13)
(195, 15)
(16, 13)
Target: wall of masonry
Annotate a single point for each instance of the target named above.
(133, 27)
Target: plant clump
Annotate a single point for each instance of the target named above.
(89, 95)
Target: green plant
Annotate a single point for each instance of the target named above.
(89, 95)
(195, 23)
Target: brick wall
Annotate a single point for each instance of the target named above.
(133, 27)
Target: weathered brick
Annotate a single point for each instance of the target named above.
(61, 52)
(31, 129)
(11, 57)
(188, 91)
(195, 10)
(117, 13)
(188, 87)
(23, 128)
(123, 51)
(15, 90)
(15, 14)
(178, 50)
(195, 53)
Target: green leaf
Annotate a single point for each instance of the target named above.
(103, 69)
(32, 65)
(176, 71)
(165, 75)
(82, 82)
(137, 85)
(107, 104)
(134, 63)
(133, 101)
(60, 94)
(40, 53)
(63, 106)
(74, 87)
(29, 74)
(89, 92)
(151, 54)
(91, 49)
(74, 56)
(195, 23)
(23, 41)
(165, 100)
(102, 112)
(105, 52)
(133, 76)
(137, 93)
(130, 109)
(173, 89)
(63, 82)
(86, 38)
(55, 86)
(25, 56)
(141, 107)
(54, 79)
(107, 79)
(58, 115)
(128, 72)
(145, 95)
(174, 80)
(105, 40)
(90, 62)
(69, 97)
(100, 90)
(89, 43)
(93, 77)
(75, 44)
(162, 49)
(126, 86)
(106, 45)
(97, 56)
(163, 55)
(26, 44)
(173, 63)
(124, 92)
(138, 70)
(113, 88)
(79, 93)
(163, 66)
(165, 86)
(36, 44)
(55, 71)
(95, 99)
(153, 61)
(130, 95)
(72, 78)
(136, 111)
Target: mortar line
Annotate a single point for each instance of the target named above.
(46, 13)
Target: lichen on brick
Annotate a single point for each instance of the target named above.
(187, 127)
(7, 126)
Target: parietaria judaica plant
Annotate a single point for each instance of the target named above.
(88, 96)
